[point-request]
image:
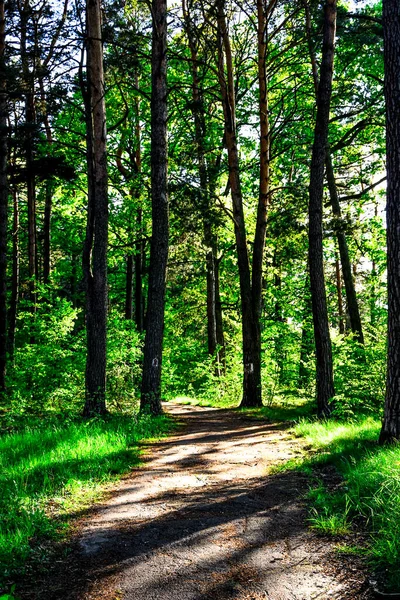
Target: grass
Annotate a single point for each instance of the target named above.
(52, 472)
(224, 402)
(369, 495)
(290, 409)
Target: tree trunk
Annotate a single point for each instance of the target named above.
(30, 124)
(351, 295)
(95, 247)
(391, 35)
(263, 195)
(151, 381)
(3, 204)
(12, 313)
(251, 333)
(325, 387)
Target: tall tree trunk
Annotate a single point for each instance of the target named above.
(325, 387)
(95, 246)
(151, 381)
(12, 313)
(3, 204)
(351, 296)
(250, 324)
(391, 35)
(30, 123)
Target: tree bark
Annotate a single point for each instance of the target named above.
(30, 123)
(95, 246)
(152, 361)
(325, 386)
(3, 203)
(391, 35)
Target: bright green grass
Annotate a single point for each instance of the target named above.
(292, 409)
(50, 472)
(370, 493)
(212, 403)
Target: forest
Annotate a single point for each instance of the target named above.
(198, 205)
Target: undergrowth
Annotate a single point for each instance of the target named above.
(51, 472)
(369, 494)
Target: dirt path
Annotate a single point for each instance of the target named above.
(203, 520)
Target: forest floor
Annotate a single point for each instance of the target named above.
(205, 518)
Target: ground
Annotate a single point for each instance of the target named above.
(205, 519)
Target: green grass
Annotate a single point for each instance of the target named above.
(223, 402)
(290, 409)
(370, 493)
(50, 473)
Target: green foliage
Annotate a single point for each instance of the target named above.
(359, 376)
(49, 471)
(49, 362)
(370, 493)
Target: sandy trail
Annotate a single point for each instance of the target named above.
(203, 520)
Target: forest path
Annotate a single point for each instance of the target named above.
(203, 520)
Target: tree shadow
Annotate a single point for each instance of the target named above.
(208, 542)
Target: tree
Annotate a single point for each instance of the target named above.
(351, 296)
(391, 34)
(3, 201)
(151, 381)
(325, 387)
(95, 246)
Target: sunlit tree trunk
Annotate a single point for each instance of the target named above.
(95, 246)
(325, 387)
(3, 203)
(30, 124)
(391, 34)
(151, 380)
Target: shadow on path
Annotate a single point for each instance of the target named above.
(203, 520)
